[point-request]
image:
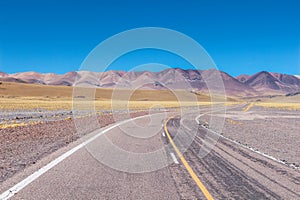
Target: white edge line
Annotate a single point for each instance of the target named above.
(163, 134)
(198, 117)
(174, 158)
(244, 146)
(19, 186)
(254, 150)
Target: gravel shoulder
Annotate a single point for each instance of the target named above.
(271, 131)
(23, 146)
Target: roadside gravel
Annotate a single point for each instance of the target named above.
(270, 131)
(25, 145)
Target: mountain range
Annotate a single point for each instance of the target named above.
(262, 83)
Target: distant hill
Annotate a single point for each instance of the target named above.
(2, 74)
(273, 83)
(262, 83)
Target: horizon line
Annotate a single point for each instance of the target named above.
(183, 69)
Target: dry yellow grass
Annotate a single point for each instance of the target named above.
(14, 124)
(233, 122)
(33, 104)
(34, 90)
(45, 92)
(16, 96)
(247, 108)
(233, 103)
(279, 105)
(285, 99)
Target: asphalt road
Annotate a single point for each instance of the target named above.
(230, 171)
(142, 159)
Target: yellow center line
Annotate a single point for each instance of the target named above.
(187, 166)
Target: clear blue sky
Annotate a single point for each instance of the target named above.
(241, 36)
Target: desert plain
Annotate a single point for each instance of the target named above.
(37, 120)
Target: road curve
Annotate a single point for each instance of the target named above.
(82, 176)
(228, 171)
